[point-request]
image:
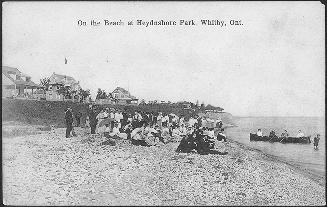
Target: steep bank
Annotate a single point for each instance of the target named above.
(38, 112)
(53, 112)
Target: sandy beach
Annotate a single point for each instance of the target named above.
(48, 169)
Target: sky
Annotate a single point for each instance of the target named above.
(271, 65)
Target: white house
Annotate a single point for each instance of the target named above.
(123, 96)
(17, 84)
(58, 81)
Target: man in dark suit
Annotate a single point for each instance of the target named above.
(69, 121)
(93, 120)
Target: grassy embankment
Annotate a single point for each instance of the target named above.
(47, 113)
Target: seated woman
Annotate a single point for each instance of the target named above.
(128, 130)
(150, 136)
(165, 133)
(137, 136)
(176, 134)
(109, 140)
(116, 133)
(188, 143)
(182, 130)
(221, 135)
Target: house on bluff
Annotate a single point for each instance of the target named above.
(210, 108)
(59, 84)
(123, 97)
(16, 84)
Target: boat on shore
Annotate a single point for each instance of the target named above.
(300, 140)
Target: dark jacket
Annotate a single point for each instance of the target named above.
(92, 116)
(69, 117)
(78, 114)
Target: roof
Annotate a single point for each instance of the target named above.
(120, 89)
(183, 102)
(10, 70)
(125, 92)
(62, 79)
(6, 71)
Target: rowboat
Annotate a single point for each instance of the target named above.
(300, 140)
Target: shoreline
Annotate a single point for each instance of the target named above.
(36, 165)
(312, 174)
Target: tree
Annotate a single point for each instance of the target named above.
(101, 94)
(84, 93)
(65, 91)
(45, 83)
(142, 102)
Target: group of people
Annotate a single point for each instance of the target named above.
(285, 135)
(147, 128)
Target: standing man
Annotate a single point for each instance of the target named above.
(93, 120)
(69, 121)
(316, 141)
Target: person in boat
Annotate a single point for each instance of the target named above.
(284, 134)
(272, 134)
(259, 133)
(316, 141)
(300, 134)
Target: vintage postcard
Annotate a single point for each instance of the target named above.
(163, 103)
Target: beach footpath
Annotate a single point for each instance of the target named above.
(45, 168)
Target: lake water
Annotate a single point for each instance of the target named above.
(300, 154)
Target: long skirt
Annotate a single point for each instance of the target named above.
(119, 135)
(101, 129)
(139, 142)
(151, 140)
